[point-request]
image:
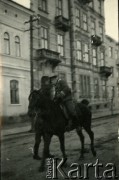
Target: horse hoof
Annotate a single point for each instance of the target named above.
(41, 169)
(36, 157)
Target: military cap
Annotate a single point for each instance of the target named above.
(44, 79)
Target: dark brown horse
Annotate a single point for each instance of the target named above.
(54, 123)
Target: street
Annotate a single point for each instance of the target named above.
(18, 163)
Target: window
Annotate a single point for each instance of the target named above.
(110, 51)
(117, 72)
(104, 92)
(59, 7)
(86, 53)
(77, 17)
(62, 76)
(14, 92)
(99, 6)
(92, 27)
(44, 37)
(94, 57)
(102, 59)
(79, 50)
(60, 45)
(112, 92)
(6, 43)
(43, 5)
(96, 88)
(112, 70)
(81, 86)
(91, 4)
(116, 54)
(17, 46)
(118, 90)
(85, 23)
(101, 31)
(84, 86)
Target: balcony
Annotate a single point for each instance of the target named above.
(86, 1)
(105, 71)
(49, 56)
(96, 40)
(62, 23)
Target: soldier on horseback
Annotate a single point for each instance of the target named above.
(64, 92)
(37, 111)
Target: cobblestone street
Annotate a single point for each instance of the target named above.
(18, 163)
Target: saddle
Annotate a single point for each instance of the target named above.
(63, 108)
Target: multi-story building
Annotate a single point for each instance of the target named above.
(68, 40)
(112, 60)
(14, 58)
(76, 30)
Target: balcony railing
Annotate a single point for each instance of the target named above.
(62, 23)
(47, 55)
(105, 71)
(96, 40)
(86, 1)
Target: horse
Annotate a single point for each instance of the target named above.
(54, 123)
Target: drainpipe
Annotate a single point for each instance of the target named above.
(72, 45)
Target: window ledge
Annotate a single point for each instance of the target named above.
(39, 8)
(15, 104)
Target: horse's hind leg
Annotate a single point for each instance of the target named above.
(47, 140)
(81, 136)
(36, 146)
(91, 135)
(62, 144)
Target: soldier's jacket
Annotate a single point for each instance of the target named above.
(62, 86)
(38, 101)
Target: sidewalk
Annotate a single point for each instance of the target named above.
(15, 129)
(24, 127)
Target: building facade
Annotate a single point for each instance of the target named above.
(68, 40)
(76, 30)
(14, 58)
(112, 60)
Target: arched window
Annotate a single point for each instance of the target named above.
(6, 43)
(14, 92)
(17, 46)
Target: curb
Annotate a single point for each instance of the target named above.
(22, 129)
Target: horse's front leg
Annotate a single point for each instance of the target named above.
(91, 135)
(47, 140)
(62, 145)
(36, 146)
(81, 136)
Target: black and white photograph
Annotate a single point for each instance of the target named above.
(59, 89)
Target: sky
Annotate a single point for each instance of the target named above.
(111, 16)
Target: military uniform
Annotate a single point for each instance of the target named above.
(42, 110)
(64, 92)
